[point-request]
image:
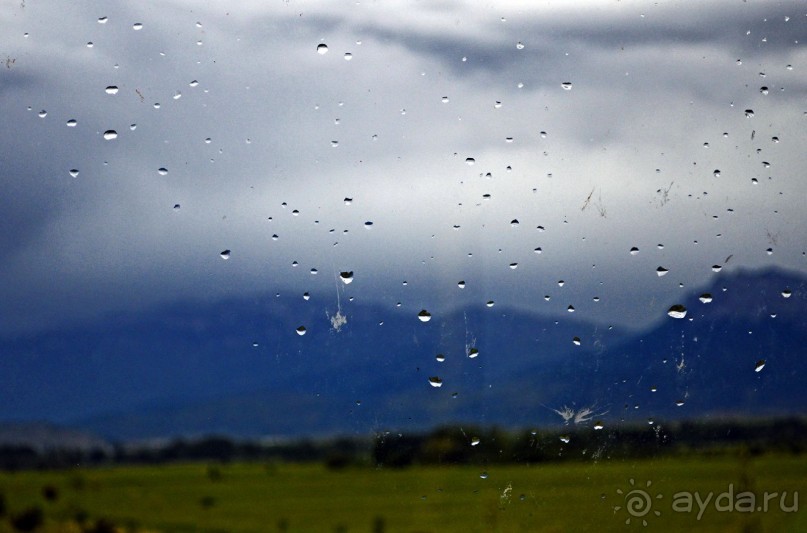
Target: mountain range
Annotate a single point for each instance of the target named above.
(241, 367)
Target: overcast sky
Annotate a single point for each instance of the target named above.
(681, 125)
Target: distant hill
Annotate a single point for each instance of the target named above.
(42, 437)
(239, 367)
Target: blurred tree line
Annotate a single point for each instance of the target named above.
(450, 445)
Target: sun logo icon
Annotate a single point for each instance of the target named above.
(638, 503)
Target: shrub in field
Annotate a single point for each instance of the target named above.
(102, 525)
(50, 493)
(28, 520)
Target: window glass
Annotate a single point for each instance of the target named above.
(479, 235)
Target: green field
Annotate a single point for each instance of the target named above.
(243, 497)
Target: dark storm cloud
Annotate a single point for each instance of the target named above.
(272, 109)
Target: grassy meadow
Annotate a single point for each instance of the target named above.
(252, 497)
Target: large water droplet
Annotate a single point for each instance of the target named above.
(322, 49)
(346, 277)
(677, 311)
(424, 316)
(435, 382)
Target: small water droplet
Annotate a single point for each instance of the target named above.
(461, 284)
(786, 293)
(598, 425)
(137, 26)
(763, 89)
(72, 123)
(749, 113)
(716, 173)
(73, 173)
(43, 114)
(322, 49)
(717, 268)
(570, 309)
(661, 271)
(513, 266)
(110, 135)
(576, 341)
(634, 250)
(490, 303)
(112, 89)
(472, 353)
(444, 99)
(705, 298)
(162, 171)
(435, 382)
(567, 86)
(348, 56)
(346, 277)
(679, 403)
(424, 316)
(677, 311)
(483, 475)
(225, 254)
(565, 439)
(470, 160)
(440, 358)
(760, 365)
(102, 20)
(301, 330)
